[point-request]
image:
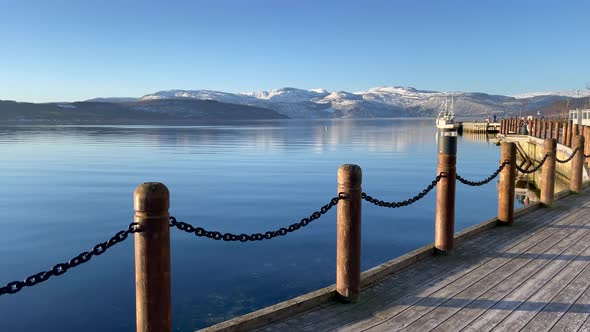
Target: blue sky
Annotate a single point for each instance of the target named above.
(73, 50)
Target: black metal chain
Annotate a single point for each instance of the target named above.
(568, 158)
(407, 202)
(199, 231)
(485, 181)
(61, 268)
(534, 169)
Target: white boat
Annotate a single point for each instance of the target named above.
(446, 116)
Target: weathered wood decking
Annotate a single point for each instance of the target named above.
(534, 275)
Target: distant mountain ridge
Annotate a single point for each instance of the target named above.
(174, 111)
(395, 101)
(181, 106)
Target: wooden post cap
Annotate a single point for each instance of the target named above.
(151, 198)
(350, 176)
(549, 145)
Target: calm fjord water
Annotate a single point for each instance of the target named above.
(67, 188)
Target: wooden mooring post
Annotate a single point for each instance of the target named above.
(577, 165)
(151, 201)
(548, 172)
(507, 185)
(575, 132)
(586, 133)
(550, 130)
(445, 193)
(568, 134)
(348, 240)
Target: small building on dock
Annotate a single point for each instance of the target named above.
(580, 116)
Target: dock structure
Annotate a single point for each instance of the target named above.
(533, 275)
(480, 127)
(526, 269)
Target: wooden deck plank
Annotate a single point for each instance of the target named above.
(561, 303)
(529, 308)
(512, 301)
(337, 316)
(573, 319)
(500, 281)
(585, 326)
(481, 279)
(471, 311)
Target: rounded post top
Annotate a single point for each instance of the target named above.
(151, 198)
(579, 141)
(350, 175)
(508, 145)
(508, 151)
(549, 144)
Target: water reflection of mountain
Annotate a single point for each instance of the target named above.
(387, 135)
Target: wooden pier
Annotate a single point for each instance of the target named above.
(527, 269)
(480, 127)
(534, 275)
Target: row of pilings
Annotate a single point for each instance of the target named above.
(562, 130)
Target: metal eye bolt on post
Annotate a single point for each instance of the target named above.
(445, 193)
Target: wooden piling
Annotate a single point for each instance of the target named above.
(550, 134)
(566, 134)
(563, 132)
(586, 132)
(348, 241)
(577, 164)
(543, 134)
(570, 135)
(556, 127)
(445, 193)
(152, 258)
(548, 172)
(507, 184)
(575, 132)
(536, 128)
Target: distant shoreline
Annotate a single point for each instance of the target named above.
(131, 122)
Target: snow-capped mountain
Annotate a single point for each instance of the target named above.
(563, 93)
(376, 102)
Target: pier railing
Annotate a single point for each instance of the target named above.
(562, 130)
(152, 221)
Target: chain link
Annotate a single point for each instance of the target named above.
(407, 202)
(61, 268)
(568, 158)
(485, 181)
(534, 169)
(199, 231)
